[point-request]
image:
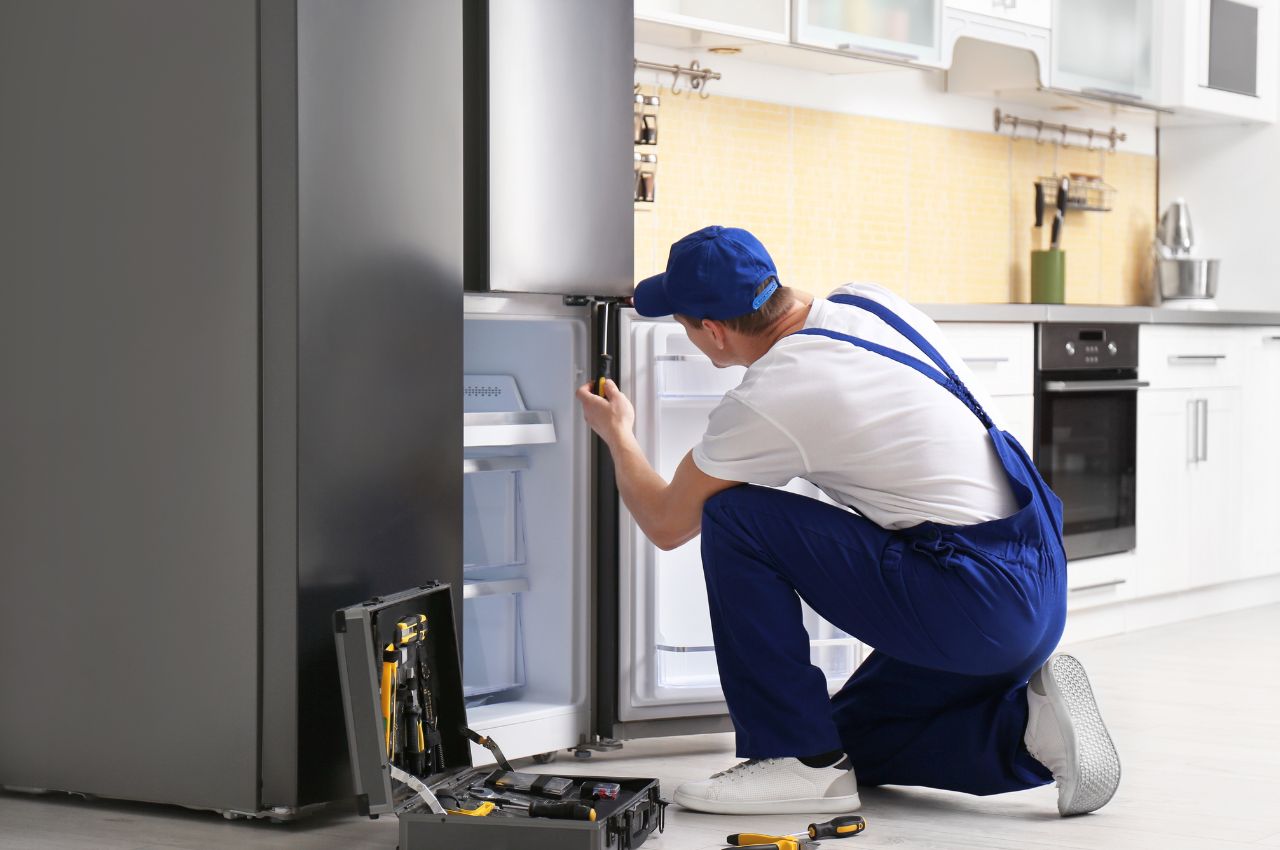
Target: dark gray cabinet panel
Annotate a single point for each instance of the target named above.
(379, 329)
(129, 379)
(549, 199)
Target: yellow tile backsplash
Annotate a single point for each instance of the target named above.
(938, 215)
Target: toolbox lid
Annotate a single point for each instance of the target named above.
(360, 632)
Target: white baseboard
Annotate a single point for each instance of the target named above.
(1133, 614)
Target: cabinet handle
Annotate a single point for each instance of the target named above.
(1271, 339)
(1128, 97)
(1113, 583)
(1204, 429)
(985, 359)
(876, 53)
(1193, 430)
(1191, 358)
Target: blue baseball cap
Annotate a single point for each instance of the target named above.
(711, 274)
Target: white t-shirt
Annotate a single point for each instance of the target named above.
(873, 434)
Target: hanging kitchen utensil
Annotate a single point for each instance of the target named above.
(649, 121)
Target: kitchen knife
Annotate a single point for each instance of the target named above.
(1059, 215)
(1039, 240)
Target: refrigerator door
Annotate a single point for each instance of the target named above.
(526, 523)
(549, 109)
(667, 664)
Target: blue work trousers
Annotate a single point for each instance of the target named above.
(958, 622)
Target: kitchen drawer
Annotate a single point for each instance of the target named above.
(1000, 356)
(1179, 357)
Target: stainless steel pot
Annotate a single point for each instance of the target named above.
(1186, 277)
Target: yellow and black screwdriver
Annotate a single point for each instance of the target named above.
(844, 826)
(605, 372)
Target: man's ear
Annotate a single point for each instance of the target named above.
(718, 332)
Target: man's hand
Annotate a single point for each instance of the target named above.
(612, 417)
(668, 514)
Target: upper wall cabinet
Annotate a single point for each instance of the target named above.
(763, 20)
(1036, 13)
(1105, 49)
(1219, 59)
(900, 30)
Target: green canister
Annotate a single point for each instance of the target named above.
(1048, 276)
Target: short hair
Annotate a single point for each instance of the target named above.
(757, 321)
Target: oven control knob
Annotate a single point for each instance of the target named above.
(1112, 349)
(1071, 348)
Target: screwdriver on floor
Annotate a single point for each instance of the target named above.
(844, 826)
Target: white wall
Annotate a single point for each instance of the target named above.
(1230, 178)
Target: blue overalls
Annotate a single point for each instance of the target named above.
(959, 616)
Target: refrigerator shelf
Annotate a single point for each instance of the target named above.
(504, 463)
(511, 428)
(473, 589)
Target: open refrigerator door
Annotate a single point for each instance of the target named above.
(667, 664)
(526, 523)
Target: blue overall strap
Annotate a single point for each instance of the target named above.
(943, 375)
(905, 359)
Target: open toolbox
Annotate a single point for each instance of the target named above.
(411, 754)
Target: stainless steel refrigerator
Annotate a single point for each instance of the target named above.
(295, 296)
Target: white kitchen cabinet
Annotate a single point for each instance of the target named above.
(1260, 466)
(1164, 481)
(1105, 48)
(1190, 461)
(761, 20)
(1000, 359)
(1037, 13)
(1189, 472)
(901, 30)
(1218, 59)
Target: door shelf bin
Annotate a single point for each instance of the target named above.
(493, 512)
(511, 428)
(493, 639)
(693, 376)
(695, 666)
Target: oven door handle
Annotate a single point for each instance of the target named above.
(1093, 386)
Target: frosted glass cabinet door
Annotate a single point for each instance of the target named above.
(1104, 47)
(899, 29)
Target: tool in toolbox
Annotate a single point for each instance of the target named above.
(600, 791)
(411, 750)
(557, 809)
(490, 745)
(530, 783)
(845, 826)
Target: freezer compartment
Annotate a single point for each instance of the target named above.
(526, 524)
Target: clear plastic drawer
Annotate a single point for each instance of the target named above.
(493, 639)
(493, 532)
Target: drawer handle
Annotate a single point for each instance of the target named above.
(1094, 386)
(985, 359)
(1189, 358)
(1099, 586)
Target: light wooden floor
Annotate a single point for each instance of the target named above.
(1194, 709)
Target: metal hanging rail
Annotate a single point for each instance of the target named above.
(1060, 131)
(698, 76)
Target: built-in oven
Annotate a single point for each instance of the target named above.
(1086, 431)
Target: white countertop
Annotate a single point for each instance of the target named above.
(1094, 313)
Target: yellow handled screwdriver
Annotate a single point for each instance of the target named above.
(844, 826)
(390, 656)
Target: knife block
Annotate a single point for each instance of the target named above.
(1048, 276)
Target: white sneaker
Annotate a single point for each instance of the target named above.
(774, 786)
(1066, 734)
